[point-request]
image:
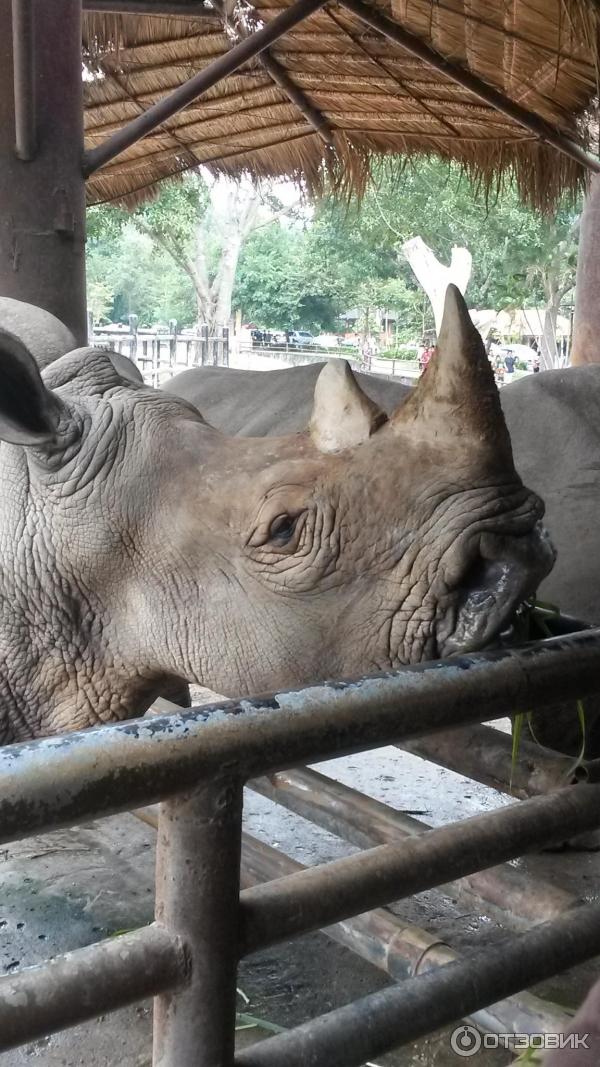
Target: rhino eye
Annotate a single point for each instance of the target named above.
(282, 528)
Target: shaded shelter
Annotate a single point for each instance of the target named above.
(304, 89)
(367, 92)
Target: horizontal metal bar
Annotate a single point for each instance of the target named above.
(61, 781)
(88, 982)
(326, 894)
(403, 950)
(193, 9)
(370, 1026)
(543, 130)
(400, 950)
(215, 72)
(366, 822)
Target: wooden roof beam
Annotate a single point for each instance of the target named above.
(215, 72)
(281, 78)
(529, 120)
(297, 96)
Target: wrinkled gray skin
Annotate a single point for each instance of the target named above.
(140, 545)
(44, 336)
(554, 423)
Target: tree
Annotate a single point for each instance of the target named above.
(434, 276)
(203, 247)
(203, 228)
(553, 262)
(586, 347)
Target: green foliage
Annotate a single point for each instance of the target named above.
(271, 265)
(175, 212)
(533, 622)
(127, 274)
(303, 273)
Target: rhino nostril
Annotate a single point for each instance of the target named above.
(484, 578)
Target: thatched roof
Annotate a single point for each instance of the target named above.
(374, 96)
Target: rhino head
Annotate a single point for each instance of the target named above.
(141, 545)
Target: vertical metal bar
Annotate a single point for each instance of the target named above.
(197, 899)
(24, 78)
(42, 222)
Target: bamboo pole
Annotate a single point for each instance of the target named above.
(366, 822)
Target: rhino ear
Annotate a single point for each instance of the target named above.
(29, 412)
(343, 416)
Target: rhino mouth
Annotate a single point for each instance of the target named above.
(504, 572)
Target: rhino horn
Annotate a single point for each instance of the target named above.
(343, 415)
(458, 393)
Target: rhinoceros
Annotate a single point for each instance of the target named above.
(141, 545)
(554, 423)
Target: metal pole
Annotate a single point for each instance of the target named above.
(485, 754)
(194, 8)
(42, 222)
(61, 781)
(197, 900)
(370, 1026)
(205, 79)
(460, 76)
(24, 78)
(83, 984)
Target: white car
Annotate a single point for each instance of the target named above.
(301, 339)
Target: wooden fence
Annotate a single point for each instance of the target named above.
(161, 355)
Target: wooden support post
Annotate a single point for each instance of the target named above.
(585, 342)
(133, 337)
(172, 343)
(42, 223)
(204, 344)
(192, 8)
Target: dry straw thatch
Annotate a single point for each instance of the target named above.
(375, 97)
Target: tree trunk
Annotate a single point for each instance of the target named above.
(586, 333)
(549, 350)
(225, 280)
(434, 276)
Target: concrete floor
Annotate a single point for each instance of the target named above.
(70, 888)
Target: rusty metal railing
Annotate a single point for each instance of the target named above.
(196, 763)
